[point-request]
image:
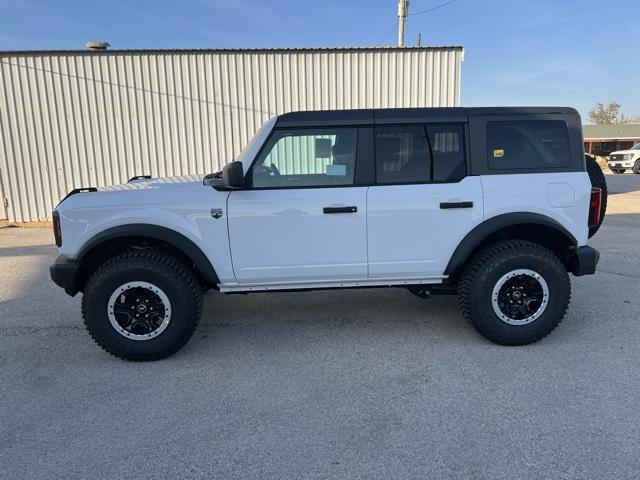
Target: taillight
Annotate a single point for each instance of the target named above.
(57, 231)
(595, 206)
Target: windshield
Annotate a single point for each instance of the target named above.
(636, 147)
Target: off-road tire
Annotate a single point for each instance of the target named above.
(483, 271)
(597, 180)
(167, 272)
(636, 167)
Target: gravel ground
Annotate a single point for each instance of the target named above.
(336, 384)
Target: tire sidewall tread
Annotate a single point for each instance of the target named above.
(159, 268)
(485, 268)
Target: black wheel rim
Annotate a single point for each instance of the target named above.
(139, 310)
(520, 297)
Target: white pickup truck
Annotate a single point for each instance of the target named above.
(494, 204)
(623, 160)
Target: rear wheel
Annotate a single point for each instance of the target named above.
(142, 305)
(514, 292)
(598, 180)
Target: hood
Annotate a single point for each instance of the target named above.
(624, 152)
(153, 183)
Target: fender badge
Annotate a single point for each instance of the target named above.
(216, 213)
(498, 152)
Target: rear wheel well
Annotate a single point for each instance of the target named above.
(543, 235)
(98, 254)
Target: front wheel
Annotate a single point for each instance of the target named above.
(636, 167)
(142, 305)
(514, 292)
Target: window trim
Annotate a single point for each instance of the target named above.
(475, 146)
(465, 150)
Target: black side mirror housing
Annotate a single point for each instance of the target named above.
(233, 175)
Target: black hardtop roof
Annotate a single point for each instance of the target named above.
(406, 115)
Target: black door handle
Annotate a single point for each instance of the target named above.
(339, 209)
(447, 205)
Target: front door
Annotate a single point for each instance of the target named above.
(423, 204)
(301, 219)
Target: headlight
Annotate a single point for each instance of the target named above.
(627, 157)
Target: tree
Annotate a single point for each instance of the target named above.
(629, 119)
(607, 114)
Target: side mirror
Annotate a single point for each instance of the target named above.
(233, 175)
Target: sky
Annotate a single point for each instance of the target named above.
(517, 52)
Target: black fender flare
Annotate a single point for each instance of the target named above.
(494, 224)
(163, 234)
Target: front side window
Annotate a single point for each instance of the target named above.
(307, 158)
(528, 144)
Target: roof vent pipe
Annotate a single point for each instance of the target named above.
(99, 46)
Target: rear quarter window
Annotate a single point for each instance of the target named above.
(447, 147)
(528, 144)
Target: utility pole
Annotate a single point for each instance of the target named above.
(403, 10)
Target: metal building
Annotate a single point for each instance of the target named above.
(88, 118)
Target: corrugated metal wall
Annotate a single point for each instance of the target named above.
(72, 119)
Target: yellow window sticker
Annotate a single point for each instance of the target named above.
(498, 152)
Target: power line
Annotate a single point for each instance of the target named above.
(394, 25)
(431, 9)
(375, 17)
(409, 14)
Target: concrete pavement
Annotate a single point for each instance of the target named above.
(336, 384)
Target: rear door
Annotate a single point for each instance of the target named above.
(303, 218)
(423, 203)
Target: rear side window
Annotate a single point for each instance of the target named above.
(402, 155)
(528, 144)
(417, 153)
(447, 150)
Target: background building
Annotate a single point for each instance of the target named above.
(94, 118)
(604, 139)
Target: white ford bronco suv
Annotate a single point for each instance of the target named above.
(494, 204)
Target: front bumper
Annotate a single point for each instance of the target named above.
(64, 273)
(584, 261)
(620, 165)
